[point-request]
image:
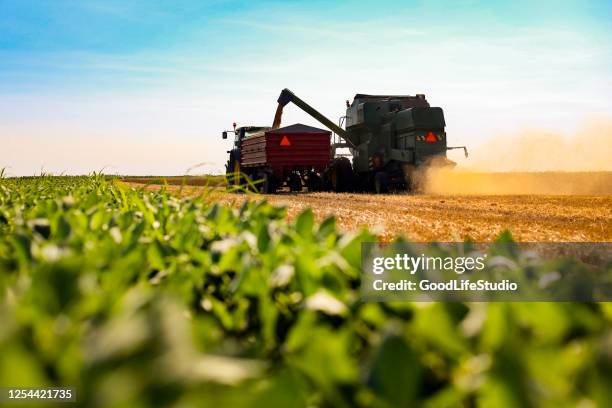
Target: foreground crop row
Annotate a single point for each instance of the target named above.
(140, 298)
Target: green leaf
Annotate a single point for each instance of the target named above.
(263, 238)
(395, 372)
(155, 255)
(304, 223)
(61, 228)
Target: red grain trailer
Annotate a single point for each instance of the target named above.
(293, 155)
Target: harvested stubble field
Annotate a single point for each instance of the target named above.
(455, 217)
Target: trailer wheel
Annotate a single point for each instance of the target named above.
(341, 175)
(314, 182)
(295, 182)
(381, 182)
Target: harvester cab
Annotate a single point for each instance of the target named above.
(389, 137)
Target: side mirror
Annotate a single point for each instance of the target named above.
(224, 135)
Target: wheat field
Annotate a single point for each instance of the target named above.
(452, 213)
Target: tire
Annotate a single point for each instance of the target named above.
(314, 182)
(410, 178)
(234, 174)
(381, 182)
(341, 175)
(295, 183)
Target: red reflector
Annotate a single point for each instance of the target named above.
(431, 138)
(285, 141)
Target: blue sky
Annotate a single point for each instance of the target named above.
(145, 87)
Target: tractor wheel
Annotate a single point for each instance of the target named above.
(341, 175)
(249, 181)
(381, 182)
(234, 175)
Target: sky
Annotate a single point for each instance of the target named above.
(145, 87)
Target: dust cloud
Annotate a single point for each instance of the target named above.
(532, 162)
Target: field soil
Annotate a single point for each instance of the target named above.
(448, 217)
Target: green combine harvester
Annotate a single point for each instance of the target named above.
(389, 138)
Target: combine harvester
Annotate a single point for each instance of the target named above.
(389, 137)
